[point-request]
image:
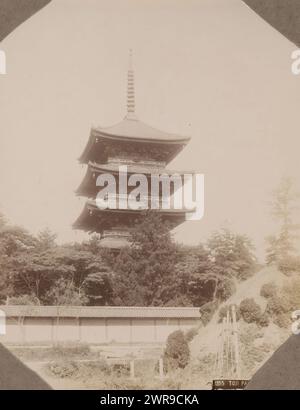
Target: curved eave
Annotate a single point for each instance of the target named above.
(171, 139)
(83, 189)
(98, 135)
(88, 186)
(91, 204)
(84, 157)
(134, 169)
(86, 220)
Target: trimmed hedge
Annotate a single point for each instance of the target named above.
(177, 352)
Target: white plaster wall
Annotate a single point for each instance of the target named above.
(92, 330)
(118, 330)
(2, 323)
(143, 330)
(66, 330)
(14, 332)
(164, 327)
(186, 324)
(38, 329)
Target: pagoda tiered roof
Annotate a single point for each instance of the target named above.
(93, 219)
(143, 150)
(136, 134)
(134, 129)
(88, 185)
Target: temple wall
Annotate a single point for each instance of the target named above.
(93, 330)
(47, 330)
(37, 329)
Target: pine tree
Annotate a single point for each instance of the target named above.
(285, 201)
(145, 270)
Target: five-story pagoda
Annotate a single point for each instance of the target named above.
(143, 150)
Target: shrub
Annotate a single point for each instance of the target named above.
(71, 349)
(90, 369)
(177, 352)
(252, 354)
(279, 308)
(63, 369)
(145, 367)
(289, 265)
(74, 369)
(282, 320)
(204, 365)
(226, 288)
(191, 333)
(120, 383)
(268, 290)
(207, 312)
(277, 305)
(291, 293)
(264, 320)
(250, 311)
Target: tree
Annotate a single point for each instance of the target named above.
(232, 260)
(34, 272)
(14, 240)
(2, 221)
(93, 245)
(284, 204)
(98, 283)
(207, 274)
(145, 270)
(192, 285)
(33, 269)
(25, 300)
(232, 254)
(37, 268)
(90, 273)
(155, 271)
(98, 288)
(126, 284)
(46, 240)
(3, 259)
(64, 293)
(78, 262)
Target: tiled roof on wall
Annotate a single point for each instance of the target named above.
(101, 311)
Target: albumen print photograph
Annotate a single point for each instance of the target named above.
(149, 197)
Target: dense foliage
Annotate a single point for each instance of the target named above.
(177, 353)
(153, 271)
(283, 245)
(250, 311)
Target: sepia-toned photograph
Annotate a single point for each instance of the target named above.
(149, 197)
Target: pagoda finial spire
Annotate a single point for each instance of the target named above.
(130, 90)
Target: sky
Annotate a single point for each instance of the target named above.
(209, 69)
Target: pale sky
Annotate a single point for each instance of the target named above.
(211, 69)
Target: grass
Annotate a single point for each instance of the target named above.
(57, 352)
